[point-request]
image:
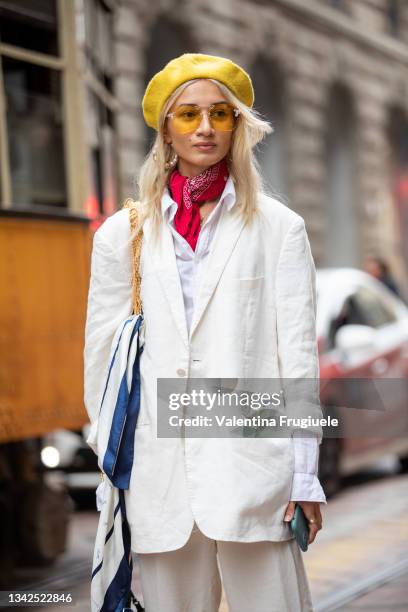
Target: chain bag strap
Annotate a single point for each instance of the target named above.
(135, 281)
(136, 250)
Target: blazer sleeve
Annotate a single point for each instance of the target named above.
(296, 328)
(109, 303)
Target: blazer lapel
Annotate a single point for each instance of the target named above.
(164, 261)
(228, 231)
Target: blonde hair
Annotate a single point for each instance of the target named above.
(243, 166)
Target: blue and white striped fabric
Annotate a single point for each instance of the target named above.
(112, 438)
(112, 562)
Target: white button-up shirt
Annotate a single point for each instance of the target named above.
(190, 263)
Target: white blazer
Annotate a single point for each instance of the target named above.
(255, 317)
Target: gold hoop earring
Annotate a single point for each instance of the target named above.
(172, 162)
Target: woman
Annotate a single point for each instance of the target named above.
(228, 290)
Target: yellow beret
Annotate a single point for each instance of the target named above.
(193, 66)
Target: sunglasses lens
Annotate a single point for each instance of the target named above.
(186, 119)
(222, 117)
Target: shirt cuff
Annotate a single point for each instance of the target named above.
(306, 453)
(307, 487)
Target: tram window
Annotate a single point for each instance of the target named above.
(101, 132)
(102, 139)
(99, 41)
(35, 128)
(31, 24)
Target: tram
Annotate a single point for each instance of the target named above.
(58, 181)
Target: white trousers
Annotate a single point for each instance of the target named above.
(257, 577)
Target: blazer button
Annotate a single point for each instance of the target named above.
(181, 372)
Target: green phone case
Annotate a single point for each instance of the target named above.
(300, 528)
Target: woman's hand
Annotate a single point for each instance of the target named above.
(312, 513)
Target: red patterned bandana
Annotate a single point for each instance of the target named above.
(189, 192)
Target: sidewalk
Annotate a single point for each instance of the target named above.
(365, 530)
(389, 597)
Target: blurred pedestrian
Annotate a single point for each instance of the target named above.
(228, 290)
(379, 269)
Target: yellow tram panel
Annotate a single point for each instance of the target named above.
(44, 276)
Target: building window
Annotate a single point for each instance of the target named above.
(31, 118)
(272, 153)
(397, 131)
(174, 40)
(342, 235)
(394, 10)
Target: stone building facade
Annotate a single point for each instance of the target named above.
(330, 75)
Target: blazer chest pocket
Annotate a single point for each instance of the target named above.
(251, 284)
(249, 290)
(245, 294)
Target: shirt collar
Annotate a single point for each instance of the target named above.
(228, 196)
